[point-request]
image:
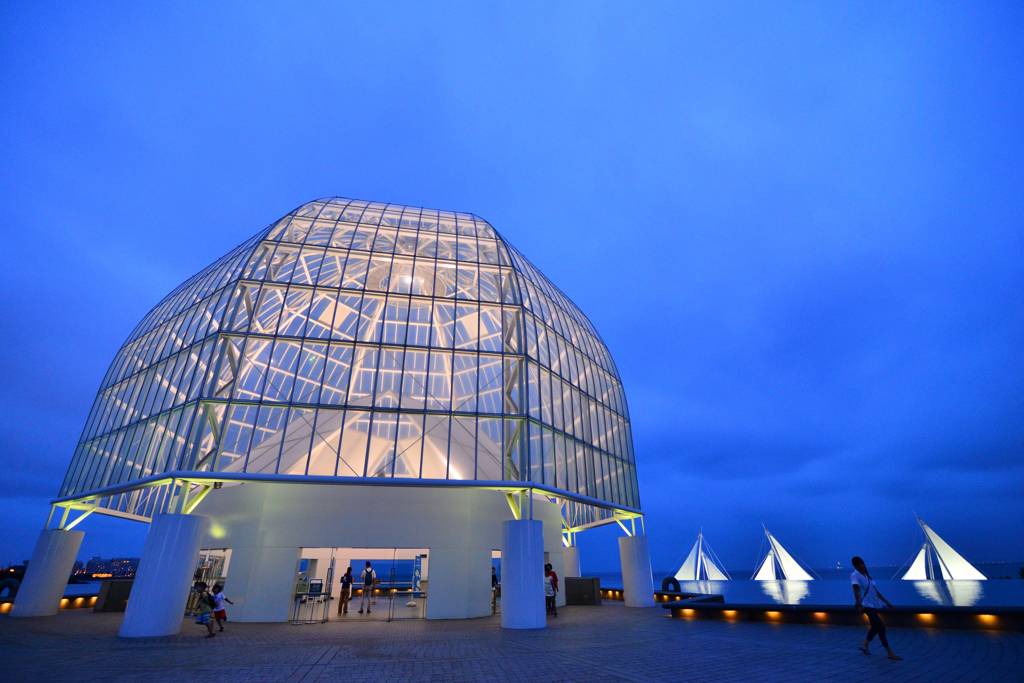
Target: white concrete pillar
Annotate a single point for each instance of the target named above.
(572, 561)
(156, 606)
(48, 573)
(637, 580)
(522, 574)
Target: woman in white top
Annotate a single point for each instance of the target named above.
(869, 601)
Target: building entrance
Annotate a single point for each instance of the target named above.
(397, 590)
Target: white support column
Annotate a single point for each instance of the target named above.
(47, 574)
(572, 561)
(156, 606)
(522, 574)
(637, 580)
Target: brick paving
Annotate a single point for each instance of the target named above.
(590, 644)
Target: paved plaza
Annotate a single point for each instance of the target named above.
(591, 644)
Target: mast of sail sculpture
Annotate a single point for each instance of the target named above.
(788, 567)
(952, 565)
(700, 564)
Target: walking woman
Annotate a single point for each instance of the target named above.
(869, 601)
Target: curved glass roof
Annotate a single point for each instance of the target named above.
(359, 339)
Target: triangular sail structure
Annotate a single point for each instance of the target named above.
(779, 564)
(700, 564)
(951, 565)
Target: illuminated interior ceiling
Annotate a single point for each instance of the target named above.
(356, 340)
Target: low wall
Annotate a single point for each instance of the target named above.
(972, 618)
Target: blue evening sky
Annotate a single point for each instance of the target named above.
(799, 228)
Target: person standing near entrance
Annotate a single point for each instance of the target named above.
(369, 578)
(549, 592)
(554, 579)
(346, 591)
(869, 601)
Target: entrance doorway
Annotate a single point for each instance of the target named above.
(400, 583)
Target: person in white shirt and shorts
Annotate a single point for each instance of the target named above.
(869, 601)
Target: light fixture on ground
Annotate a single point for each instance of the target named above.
(360, 375)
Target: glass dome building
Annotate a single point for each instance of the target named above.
(352, 339)
(374, 348)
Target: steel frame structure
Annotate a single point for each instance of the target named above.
(412, 347)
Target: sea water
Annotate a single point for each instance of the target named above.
(834, 588)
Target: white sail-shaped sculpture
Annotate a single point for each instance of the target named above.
(952, 566)
(779, 564)
(700, 564)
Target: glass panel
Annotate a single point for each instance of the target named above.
(418, 333)
(309, 373)
(321, 232)
(323, 454)
(549, 457)
(570, 466)
(442, 328)
(435, 447)
(308, 266)
(354, 440)
(281, 375)
(346, 318)
(363, 238)
(295, 449)
(395, 316)
(371, 318)
(516, 454)
(377, 275)
(490, 328)
(338, 368)
(266, 441)
(409, 447)
(545, 396)
(467, 285)
(381, 461)
(464, 383)
(444, 280)
(423, 278)
(406, 244)
(342, 236)
(253, 370)
(389, 379)
(557, 411)
(427, 246)
(489, 449)
(355, 271)
(439, 388)
(462, 452)
(446, 247)
(513, 386)
(536, 454)
(321, 314)
(295, 312)
(363, 371)
(271, 302)
(283, 264)
(466, 326)
(331, 269)
(511, 331)
(385, 240)
(400, 280)
(533, 390)
(490, 284)
(238, 432)
(490, 391)
(414, 383)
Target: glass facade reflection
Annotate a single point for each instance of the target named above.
(358, 339)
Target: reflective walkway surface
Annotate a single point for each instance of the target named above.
(592, 644)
